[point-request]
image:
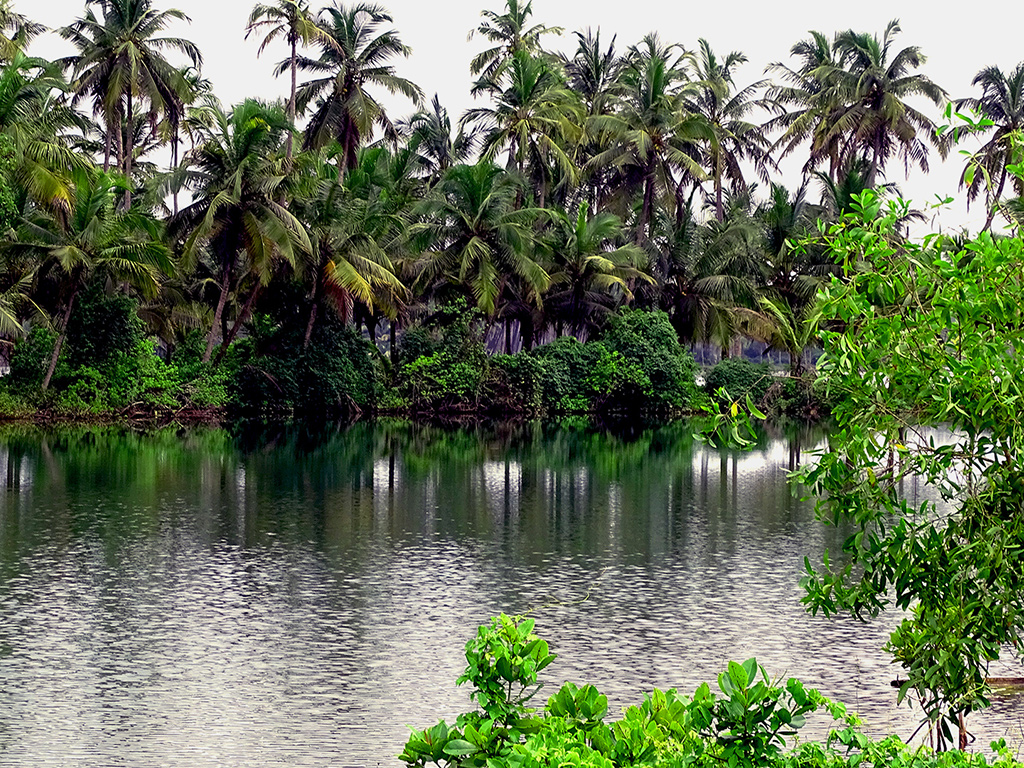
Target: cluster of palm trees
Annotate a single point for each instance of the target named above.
(580, 183)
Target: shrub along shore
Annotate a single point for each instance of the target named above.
(109, 370)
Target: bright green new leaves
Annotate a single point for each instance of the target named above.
(746, 725)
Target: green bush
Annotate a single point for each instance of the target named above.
(648, 341)
(31, 357)
(443, 380)
(270, 372)
(746, 723)
(511, 384)
(739, 378)
(565, 365)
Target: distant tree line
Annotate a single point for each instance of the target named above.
(641, 176)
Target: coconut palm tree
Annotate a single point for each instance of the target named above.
(355, 59)
(93, 237)
(511, 33)
(1002, 102)
(430, 136)
(724, 108)
(16, 31)
(590, 271)
(292, 20)
(852, 99)
(354, 230)
(237, 177)
(535, 118)
(805, 98)
(120, 66)
(649, 135)
(473, 235)
(708, 271)
(40, 124)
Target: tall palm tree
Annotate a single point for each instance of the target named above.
(511, 33)
(858, 104)
(473, 235)
(593, 71)
(535, 118)
(292, 20)
(431, 137)
(708, 271)
(354, 229)
(120, 66)
(356, 57)
(237, 176)
(40, 125)
(724, 108)
(805, 98)
(593, 75)
(1002, 102)
(93, 237)
(648, 134)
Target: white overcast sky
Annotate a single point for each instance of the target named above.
(958, 41)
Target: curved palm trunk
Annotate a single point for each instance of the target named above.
(239, 322)
(60, 341)
(218, 314)
(312, 310)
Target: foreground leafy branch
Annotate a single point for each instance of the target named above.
(923, 357)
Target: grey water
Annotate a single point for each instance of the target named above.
(279, 598)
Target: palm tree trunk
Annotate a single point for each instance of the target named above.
(393, 332)
(128, 154)
(239, 322)
(174, 163)
(312, 312)
(217, 315)
(719, 210)
(994, 203)
(60, 341)
(291, 106)
(106, 149)
(645, 211)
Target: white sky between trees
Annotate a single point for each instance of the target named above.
(957, 42)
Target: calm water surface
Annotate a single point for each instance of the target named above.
(275, 599)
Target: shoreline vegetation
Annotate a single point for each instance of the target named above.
(556, 249)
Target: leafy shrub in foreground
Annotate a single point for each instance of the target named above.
(745, 723)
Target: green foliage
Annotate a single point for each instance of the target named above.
(108, 366)
(924, 338)
(735, 379)
(102, 327)
(512, 384)
(30, 357)
(8, 188)
(565, 365)
(637, 365)
(271, 373)
(746, 723)
(648, 343)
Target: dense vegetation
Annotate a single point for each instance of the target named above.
(322, 254)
